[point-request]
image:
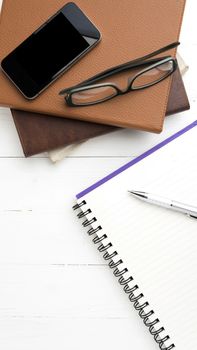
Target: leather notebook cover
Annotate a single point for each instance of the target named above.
(40, 133)
(129, 29)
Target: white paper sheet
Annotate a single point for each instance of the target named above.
(157, 245)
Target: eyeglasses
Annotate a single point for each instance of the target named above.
(149, 73)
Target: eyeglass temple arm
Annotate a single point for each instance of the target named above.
(121, 67)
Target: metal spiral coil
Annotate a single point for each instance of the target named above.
(138, 304)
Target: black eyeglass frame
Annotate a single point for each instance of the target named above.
(89, 84)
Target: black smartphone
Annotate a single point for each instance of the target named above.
(50, 50)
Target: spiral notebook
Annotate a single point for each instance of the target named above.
(151, 250)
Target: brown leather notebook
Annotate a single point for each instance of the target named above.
(129, 29)
(40, 133)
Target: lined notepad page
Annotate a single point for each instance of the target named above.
(157, 245)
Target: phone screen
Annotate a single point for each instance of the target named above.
(44, 54)
(38, 61)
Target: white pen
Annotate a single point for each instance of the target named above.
(166, 203)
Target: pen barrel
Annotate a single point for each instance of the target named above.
(174, 205)
(160, 201)
(184, 208)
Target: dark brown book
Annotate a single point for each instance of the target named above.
(39, 133)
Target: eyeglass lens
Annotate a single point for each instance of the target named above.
(153, 75)
(90, 96)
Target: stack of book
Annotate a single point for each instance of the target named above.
(46, 123)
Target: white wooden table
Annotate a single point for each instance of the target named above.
(55, 290)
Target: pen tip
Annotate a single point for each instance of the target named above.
(138, 194)
(133, 192)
